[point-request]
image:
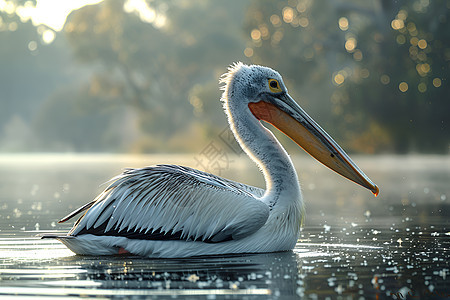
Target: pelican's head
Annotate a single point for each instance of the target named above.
(251, 82)
(261, 92)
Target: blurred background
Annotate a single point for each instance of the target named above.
(141, 76)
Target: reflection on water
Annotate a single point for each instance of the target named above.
(353, 245)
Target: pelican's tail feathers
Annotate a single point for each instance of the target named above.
(77, 211)
(89, 244)
(54, 236)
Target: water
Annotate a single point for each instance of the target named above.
(352, 246)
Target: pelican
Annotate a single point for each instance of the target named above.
(171, 211)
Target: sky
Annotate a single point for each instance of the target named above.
(52, 13)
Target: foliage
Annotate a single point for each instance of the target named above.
(155, 68)
(356, 56)
(119, 78)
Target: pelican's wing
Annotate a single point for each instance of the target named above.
(173, 202)
(255, 191)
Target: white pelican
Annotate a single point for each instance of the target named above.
(174, 211)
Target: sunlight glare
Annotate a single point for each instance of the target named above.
(7, 6)
(146, 13)
(48, 36)
(52, 13)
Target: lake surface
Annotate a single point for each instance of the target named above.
(352, 246)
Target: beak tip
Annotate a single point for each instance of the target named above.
(375, 190)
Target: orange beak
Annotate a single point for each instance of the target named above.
(293, 121)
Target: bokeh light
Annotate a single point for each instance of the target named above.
(437, 82)
(350, 44)
(288, 14)
(397, 24)
(48, 36)
(403, 86)
(343, 23)
(303, 21)
(248, 52)
(423, 69)
(385, 79)
(324, 51)
(275, 20)
(256, 34)
(422, 44)
(357, 55)
(32, 46)
(400, 39)
(339, 79)
(422, 87)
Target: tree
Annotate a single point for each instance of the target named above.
(356, 58)
(157, 69)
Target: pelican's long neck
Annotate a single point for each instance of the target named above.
(282, 187)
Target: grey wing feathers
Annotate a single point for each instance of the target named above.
(174, 202)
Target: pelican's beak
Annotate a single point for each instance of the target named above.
(286, 115)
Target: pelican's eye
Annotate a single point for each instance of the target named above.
(274, 86)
